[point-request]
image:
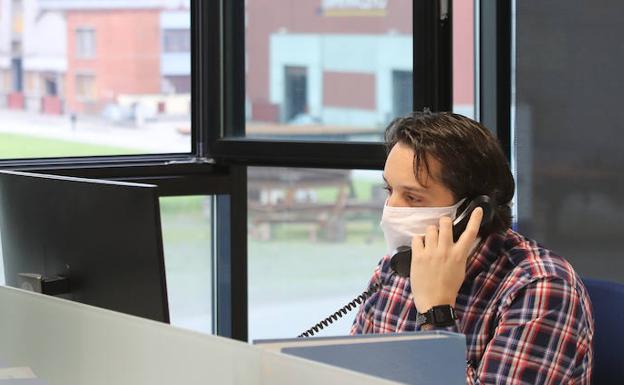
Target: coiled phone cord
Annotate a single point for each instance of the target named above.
(342, 311)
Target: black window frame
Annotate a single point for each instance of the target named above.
(179, 174)
(218, 160)
(494, 88)
(432, 79)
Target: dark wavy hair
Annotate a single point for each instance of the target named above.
(472, 160)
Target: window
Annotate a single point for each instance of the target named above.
(321, 81)
(568, 132)
(16, 74)
(17, 10)
(187, 241)
(93, 79)
(177, 40)
(463, 57)
(175, 66)
(314, 241)
(2, 277)
(85, 43)
(85, 87)
(402, 93)
(325, 69)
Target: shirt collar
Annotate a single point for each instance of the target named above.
(485, 254)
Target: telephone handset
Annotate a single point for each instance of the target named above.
(402, 256)
(402, 259)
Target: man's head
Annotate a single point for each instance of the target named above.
(436, 159)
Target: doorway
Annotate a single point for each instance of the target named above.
(296, 92)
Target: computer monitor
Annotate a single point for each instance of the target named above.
(92, 241)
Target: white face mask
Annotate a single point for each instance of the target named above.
(400, 224)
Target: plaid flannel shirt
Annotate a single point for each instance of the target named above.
(525, 313)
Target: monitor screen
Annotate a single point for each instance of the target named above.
(100, 242)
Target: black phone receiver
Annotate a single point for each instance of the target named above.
(402, 256)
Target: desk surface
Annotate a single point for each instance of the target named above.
(67, 343)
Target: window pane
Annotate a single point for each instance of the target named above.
(85, 88)
(94, 78)
(186, 228)
(2, 278)
(177, 40)
(314, 241)
(463, 57)
(568, 131)
(187, 241)
(85, 43)
(325, 69)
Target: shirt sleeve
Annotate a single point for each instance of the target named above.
(363, 322)
(543, 337)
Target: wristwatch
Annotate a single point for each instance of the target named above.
(437, 316)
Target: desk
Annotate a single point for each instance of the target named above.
(68, 343)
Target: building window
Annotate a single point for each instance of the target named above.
(85, 87)
(295, 89)
(402, 92)
(177, 40)
(85, 42)
(17, 17)
(17, 75)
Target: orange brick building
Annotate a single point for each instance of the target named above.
(107, 55)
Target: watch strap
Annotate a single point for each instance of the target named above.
(421, 319)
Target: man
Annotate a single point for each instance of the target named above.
(525, 312)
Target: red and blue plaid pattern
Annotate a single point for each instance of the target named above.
(525, 313)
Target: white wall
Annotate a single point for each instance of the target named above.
(175, 63)
(45, 39)
(5, 34)
(175, 20)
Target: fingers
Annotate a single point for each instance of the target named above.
(442, 237)
(431, 239)
(418, 244)
(445, 236)
(469, 235)
(435, 237)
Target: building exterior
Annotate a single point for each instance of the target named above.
(344, 63)
(175, 56)
(78, 56)
(107, 56)
(339, 62)
(11, 48)
(43, 57)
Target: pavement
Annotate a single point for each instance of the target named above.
(158, 136)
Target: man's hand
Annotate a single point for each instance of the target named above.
(439, 264)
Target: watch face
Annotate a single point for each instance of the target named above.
(442, 315)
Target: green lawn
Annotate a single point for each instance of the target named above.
(15, 146)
